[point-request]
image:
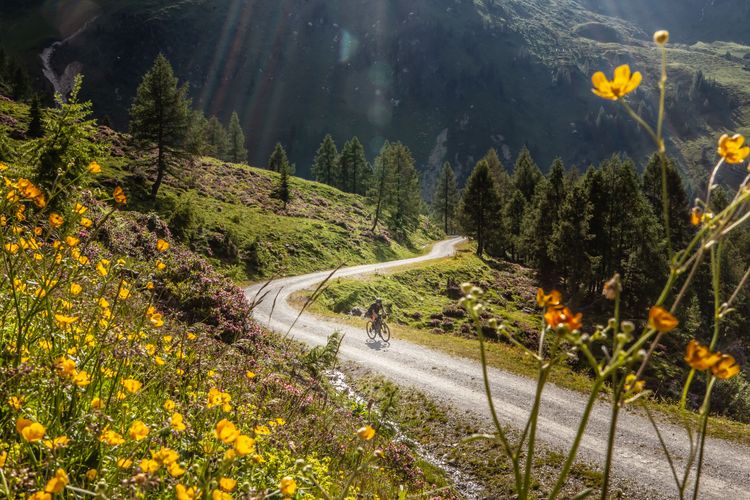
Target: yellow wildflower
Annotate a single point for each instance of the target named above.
(661, 37)
(80, 209)
(57, 483)
(244, 445)
(91, 474)
(3, 458)
(149, 466)
(86, 222)
(176, 422)
(162, 246)
(226, 431)
(56, 220)
(726, 368)
(40, 495)
(97, 403)
(220, 495)
(94, 167)
(58, 442)
(72, 241)
(553, 299)
(175, 470)
(65, 367)
(262, 430)
(165, 456)
(227, 484)
(562, 316)
(124, 463)
(183, 493)
(111, 438)
(288, 486)
(31, 431)
(731, 148)
(632, 384)
(250, 375)
(623, 83)
(366, 433)
(700, 357)
(119, 196)
(15, 402)
(82, 379)
(169, 405)
(138, 430)
(661, 320)
(132, 385)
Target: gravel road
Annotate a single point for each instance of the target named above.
(458, 382)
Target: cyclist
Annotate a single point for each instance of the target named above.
(374, 312)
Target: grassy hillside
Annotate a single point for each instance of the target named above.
(228, 213)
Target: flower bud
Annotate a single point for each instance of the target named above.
(627, 327)
(661, 37)
(465, 288)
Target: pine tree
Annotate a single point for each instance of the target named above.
(353, 161)
(278, 159)
(526, 174)
(445, 198)
(216, 139)
(159, 117)
(513, 213)
(236, 152)
(325, 166)
(404, 199)
(480, 208)
(35, 130)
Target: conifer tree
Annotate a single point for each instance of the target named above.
(5, 149)
(325, 166)
(283, 191)
(196, 141)
(353, 161)
(480, 208)
(216, 139)
(526, 174)
(445, 198)
(513, 212)
(278, 159)
(379, 187)
(35, 129)
(236, 151)
(570, 239)
(499, 173)
(159, 117)
(404, 198)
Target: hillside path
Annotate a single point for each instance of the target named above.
(458, 382)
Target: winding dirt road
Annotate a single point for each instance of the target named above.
(458, 382)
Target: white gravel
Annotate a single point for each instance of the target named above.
(458, 382)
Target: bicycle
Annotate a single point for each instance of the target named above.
(384, 330)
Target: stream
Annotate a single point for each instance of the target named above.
(63, 83)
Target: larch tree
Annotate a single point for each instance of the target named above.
(445, 198)
(236, 151)
(325, 167)
(404, 199)
(380, 182)
(159, 118)
(480, 208)
(526, 174)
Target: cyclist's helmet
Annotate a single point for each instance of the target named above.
(378, 300)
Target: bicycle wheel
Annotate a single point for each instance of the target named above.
(385, 332)
(370, 330)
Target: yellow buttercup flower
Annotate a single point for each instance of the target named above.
(183, 493)
(132, 385)
(366, 433)
(40, 495)
(622, 83)
(111, 438)
(288, 486)
(165, 456)
(97, 403)
(176, 422)
(175, 470)
(56, 220)
(91, 474)
(632, 384)
(119, 196)
(563, 316)
(169, 405)
(244, 445)
(138, 430)
(227, 484)
(57, 443)
(661, 320)
(250, 375)
(31, 431)
(82, 379)
(124, 463)
(226, 431)
(72, 241)
(732, 149)
(65, 367)
(162, 246)
(57, 483)
(262, 430)
(726, 368)
(700, 357)
(15, 402)
(544, 300)
(3, 458)
(149, 466)
(220, 495)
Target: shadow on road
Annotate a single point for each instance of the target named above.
(377, 345)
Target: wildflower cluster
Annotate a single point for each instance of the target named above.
(104, 393)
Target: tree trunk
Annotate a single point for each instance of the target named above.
(159, 174)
